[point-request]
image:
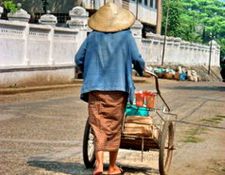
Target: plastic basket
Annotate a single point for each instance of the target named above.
(132, 110)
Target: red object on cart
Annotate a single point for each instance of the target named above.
(149, 99)
(139, 97)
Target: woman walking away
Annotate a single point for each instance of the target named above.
(106, 59)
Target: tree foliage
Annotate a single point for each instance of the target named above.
(37, 6)
(55, 6)
(196, 20)
(174, 21)
(10, 5)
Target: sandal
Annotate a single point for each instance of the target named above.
(98, 173)
(121, 172)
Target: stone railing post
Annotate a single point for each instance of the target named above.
(19, 15)
(1, 11)
(137, 33)
(51, 20)
(25, 37)
(79, 18)
(48, 19)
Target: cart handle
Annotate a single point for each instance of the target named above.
(157, 87)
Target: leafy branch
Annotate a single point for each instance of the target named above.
(10, 6)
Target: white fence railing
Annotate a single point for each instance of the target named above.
(179, 52)
(24, 44)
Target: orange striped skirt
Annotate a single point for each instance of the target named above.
(106, 112)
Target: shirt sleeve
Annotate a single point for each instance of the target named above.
(80, 55)
(137, 60)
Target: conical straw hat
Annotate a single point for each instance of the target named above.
(111, 18)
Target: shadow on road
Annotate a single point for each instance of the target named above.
(77, 168)
(139, 170)
(201, 88)
(200, 125)
(60, 167)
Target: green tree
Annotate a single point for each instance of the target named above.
(55, 6)
(9, 5)
(174, 9)
(187, 16)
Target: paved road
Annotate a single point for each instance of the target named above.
(41, 132)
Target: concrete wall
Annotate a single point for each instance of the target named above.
(40, 54)
(36, 52)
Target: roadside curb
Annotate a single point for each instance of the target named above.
(75, 83)
(8, 91)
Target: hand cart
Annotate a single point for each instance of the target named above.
(163, 122)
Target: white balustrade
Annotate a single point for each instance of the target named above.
(64, 45)
(12, 43)
(24, 44)
(178, 52)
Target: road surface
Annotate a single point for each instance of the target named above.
(41, 132)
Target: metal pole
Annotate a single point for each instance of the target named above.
(210, 57)
(44, 5)
(165, 33)
(137, 9)
(159, 16)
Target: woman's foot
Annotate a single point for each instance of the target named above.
(97, 172)
(115, 170)
(98, 163)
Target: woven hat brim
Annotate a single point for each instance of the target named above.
(105, 21)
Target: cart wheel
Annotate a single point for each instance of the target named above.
(88, 147)
(166, 148)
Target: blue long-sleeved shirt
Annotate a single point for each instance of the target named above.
(106, 62)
